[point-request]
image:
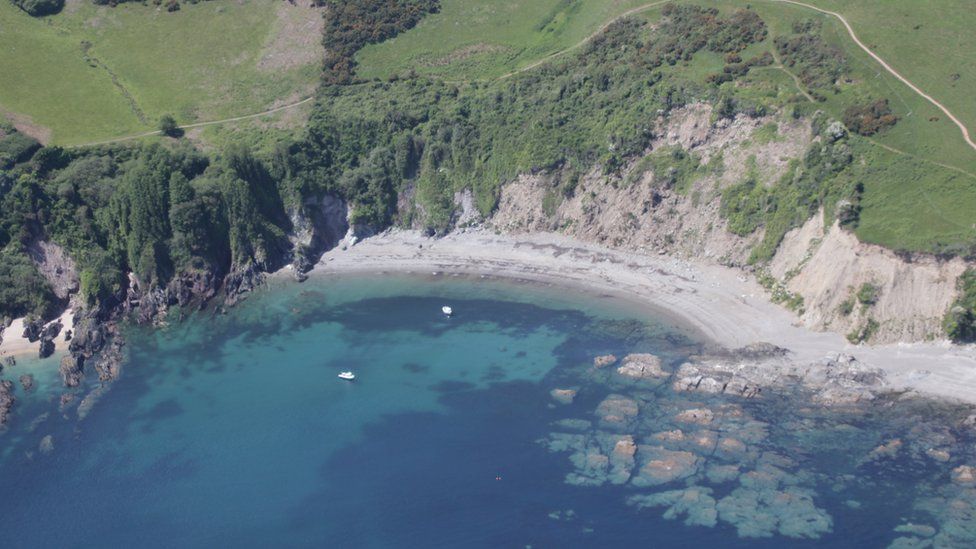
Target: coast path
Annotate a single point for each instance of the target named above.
(633, 11)
(887, 67)
(200, 124)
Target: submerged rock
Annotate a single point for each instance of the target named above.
(617, 411)
(696, 504)
(699, 416)
(964, 475)
(47, 445)
(762, 513)
(597, 457)
(27, 382)
(563, 396)
(661, 466)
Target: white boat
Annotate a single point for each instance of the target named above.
(347, 375)
(447, 310)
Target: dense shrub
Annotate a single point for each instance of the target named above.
(39, 8)
(23, 291)
(818, 64)
(686, 29)
(16, 147)
(352, 24)
(870, 118)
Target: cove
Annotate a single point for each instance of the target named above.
(234, 430)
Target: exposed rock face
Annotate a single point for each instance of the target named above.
(641, 366)
(7, 400)
(242, 281)
(55, 265)
(826, 266)
(317, 227)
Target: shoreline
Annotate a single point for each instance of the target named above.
(14, 344)
(721, 303)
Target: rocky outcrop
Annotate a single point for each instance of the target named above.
(57, 267)
(7, 400)
(33, 330)
(641, 366)
(838, 379)
(72, 370)
(27, 382)
(241, 281)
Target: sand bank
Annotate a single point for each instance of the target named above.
(726, 306)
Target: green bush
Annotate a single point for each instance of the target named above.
(960, 320)
(870, 118)
(38, 8)
(868, 294)
(23, 291)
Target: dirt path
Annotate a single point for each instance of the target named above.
(199, 124)
(887, 67)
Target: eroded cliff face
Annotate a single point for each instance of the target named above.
(644, 210)
(647, 210)
(829, 268)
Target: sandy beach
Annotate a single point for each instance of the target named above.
(16, 345)
(724, 304)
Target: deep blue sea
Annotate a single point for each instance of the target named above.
(232, 430)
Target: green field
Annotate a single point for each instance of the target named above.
(470, 40)
(94, 73)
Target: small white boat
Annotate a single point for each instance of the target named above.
(347, 375)
(447, 310)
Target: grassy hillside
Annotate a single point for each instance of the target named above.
(485, 39)
(93, 73)
(919, 176)
(930, 43)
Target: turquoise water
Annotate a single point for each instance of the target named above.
(234, 430)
